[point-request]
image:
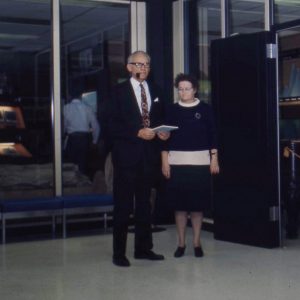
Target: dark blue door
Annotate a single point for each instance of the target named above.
(246, 200)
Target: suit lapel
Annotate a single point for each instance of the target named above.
(153, 95)
(133, 102)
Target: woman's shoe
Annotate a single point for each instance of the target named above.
(198, 252)
(179, 251)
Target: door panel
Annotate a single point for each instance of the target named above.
(244, 98)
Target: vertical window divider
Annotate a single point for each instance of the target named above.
(224, 18)
(178, 39)
(269, 14)
(56, 97)
(138, 26)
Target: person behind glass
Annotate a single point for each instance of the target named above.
(136, 105)
(188, 160)
(80, 123)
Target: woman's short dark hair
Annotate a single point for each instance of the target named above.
(186, 77)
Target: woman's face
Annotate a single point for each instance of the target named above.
(186, 91)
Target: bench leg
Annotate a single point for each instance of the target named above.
(64, 224)
(105, 222)
(53, 225)
(3, 230)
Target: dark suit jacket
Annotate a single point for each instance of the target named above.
(125, 121)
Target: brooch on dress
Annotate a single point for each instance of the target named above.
(197, 115)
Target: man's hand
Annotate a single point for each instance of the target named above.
(146, 134)
(163, 135)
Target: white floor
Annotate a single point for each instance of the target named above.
(80, 268)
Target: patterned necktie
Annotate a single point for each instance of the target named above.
(144, 104)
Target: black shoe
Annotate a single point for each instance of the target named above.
(150, 255)
(121, 261)
(198, 252)
(179, 251)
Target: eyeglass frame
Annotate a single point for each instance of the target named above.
(140, 65)
(185, 89)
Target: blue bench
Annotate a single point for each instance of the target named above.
(29, 208)
(84, 204)
(55, 206)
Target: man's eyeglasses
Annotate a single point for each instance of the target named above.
(185, 89)
(140, 65)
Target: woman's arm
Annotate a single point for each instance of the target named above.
(214, 162)
(165, 164)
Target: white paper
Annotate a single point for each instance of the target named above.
(164, 128)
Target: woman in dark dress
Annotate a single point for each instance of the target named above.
(189, 159)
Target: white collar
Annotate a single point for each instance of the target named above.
(136, 84)
(196, 102)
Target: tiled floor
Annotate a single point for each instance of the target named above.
(80, 268)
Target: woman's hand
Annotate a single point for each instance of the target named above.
(214, 165)
(165, 166)
(163, 135)
(166, 170)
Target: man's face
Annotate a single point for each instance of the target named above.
(139, 67)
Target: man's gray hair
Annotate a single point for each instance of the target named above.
(138, 52)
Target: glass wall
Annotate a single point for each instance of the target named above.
(204, 20)
(286, 11)
(246, 16)
(289, 83)
(95, 46)
(205, 25)
(26, 154)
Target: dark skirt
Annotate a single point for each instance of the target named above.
(189, 188)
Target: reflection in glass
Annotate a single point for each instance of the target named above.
(286, 10)
(206, 28)
(289, 64)
(25, 108)
(246, 16)
(95, 46)
(289, 83)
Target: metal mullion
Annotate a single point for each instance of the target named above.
(56, 96)
(269, 14)
(224, 18)
(138, 26)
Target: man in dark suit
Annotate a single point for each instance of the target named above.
(135, 108)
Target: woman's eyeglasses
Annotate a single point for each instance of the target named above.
(185, 89)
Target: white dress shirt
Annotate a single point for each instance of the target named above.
(137, 91)
(79, 117)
